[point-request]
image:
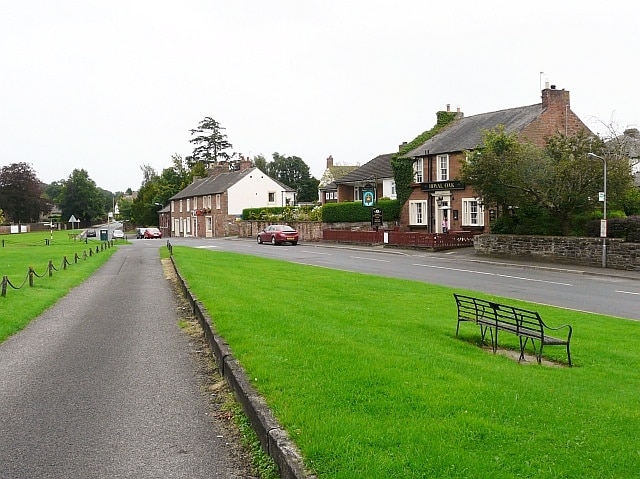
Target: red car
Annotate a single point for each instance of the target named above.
(278, 234)
(152, 233)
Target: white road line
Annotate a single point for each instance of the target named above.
(316, 252)
(627, 292)
(492, 274)
(371, 259)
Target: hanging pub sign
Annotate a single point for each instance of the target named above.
(376, 217)
(368, 196)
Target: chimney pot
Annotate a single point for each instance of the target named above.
(448, 107)
(553, 87)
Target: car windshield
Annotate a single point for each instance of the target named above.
(287, 229)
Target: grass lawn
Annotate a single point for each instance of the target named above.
(20, 251)
(368, 378)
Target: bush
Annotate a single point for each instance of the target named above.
(351, 212)
(627, 228)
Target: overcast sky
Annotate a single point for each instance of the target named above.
(110, 86)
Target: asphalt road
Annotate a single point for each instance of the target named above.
(105, 385)
(607, 291)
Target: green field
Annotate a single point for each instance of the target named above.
(368, 378)
(19, 252)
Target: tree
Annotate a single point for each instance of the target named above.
(211, 143)
(21, 193)
(295, 173)
(261, 163)
(157, 189)
(81, 198)
(550, 186)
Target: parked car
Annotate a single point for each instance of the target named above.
(140, 233)
(117, 234)
(278, 234)
(152, 233)
(91, 233)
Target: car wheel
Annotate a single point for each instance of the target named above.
(294, 243)
(259, 239)
(273, 241)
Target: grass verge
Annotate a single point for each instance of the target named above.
(368, 378)
(20, 251)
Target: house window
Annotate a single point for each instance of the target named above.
(217, 201)
(356, 193)
(195, 203)
(180, 206)
(272, 197)
(393, 189)
(418, 212)
(173, 206)
(418, 171)
(472, 212)
(209, 223)
(188, 204)
(330, 195)
(443, 167)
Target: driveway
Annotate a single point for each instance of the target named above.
(105, 385)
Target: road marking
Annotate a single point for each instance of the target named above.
(371, 259)
(316, 252)
(492, 274)
(627, 292)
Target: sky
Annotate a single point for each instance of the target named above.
(113, 86)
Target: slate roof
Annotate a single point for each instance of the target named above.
(379, 167)
(213, 185)
(466, 133)
(628, 143)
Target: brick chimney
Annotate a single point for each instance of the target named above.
(245, 164)
(329, 161)
(552, 98)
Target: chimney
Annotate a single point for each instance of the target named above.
(459, 114)
(329, 161)
(245, 164)
(448, 107)
(402, 145)
(553, 98)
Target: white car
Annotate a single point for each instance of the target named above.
(117, 234)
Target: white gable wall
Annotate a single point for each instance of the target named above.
(252, 191)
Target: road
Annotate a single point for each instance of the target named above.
(578, 288)
(105, 385)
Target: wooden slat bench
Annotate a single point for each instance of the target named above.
(527, 325)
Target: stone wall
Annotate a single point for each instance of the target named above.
(308, 230)
(561, 249)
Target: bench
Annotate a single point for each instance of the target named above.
(527, 325)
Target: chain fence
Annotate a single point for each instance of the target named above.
(31, 274)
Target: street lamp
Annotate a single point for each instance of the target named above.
(603, 224)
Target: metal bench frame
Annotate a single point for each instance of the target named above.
(493, 317)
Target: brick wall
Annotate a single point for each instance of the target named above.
(561, 249)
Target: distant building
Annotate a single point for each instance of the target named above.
(209, 207)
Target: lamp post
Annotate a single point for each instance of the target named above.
(603, 224)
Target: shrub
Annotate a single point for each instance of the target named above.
(353, 211)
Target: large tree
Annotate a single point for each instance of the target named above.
(81, 198)
(211, 143)
(157, 189)
(295, 173)
(556, 183)
(21, 193)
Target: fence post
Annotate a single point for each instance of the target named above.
(5, 280)
(75, 257)
(31, 273)
(64, 262)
